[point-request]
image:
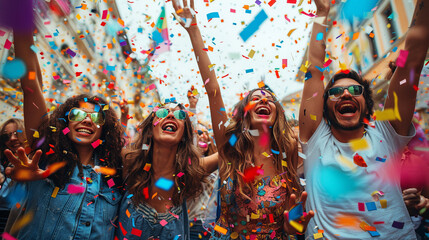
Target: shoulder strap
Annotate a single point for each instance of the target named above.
(185, 221)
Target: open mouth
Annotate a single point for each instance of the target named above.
(347, 108)
(169, 127)
(84, 130)
(263, 110)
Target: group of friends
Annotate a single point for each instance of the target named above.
(82, 182)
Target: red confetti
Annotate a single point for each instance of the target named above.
(358, 160)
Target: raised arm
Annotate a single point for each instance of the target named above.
(217, 108)
(311, 108)
(31, 83)
(416, 44)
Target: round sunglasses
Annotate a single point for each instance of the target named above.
(77, 115)
(163, 112)
(336, 92)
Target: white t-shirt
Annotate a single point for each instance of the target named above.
(336, 186)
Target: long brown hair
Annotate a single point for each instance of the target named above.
(53, 139)
(137, 179)
(240, 156)
(21, 136)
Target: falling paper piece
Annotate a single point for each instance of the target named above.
(75, 189)
(359, 144)
(358, 160)
(105, 170)
(402, 58)
(164, 184)
(212, 15)
(163, 222)
(220, 229)
(247, 32)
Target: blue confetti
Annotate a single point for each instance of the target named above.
(249, 70)
(319, 36)
(275, 152)
(380, 159)
(14, 69)
(308, 76)
(212, 15)
(370, 206)
(254, 25)
(232, 140)
(164, 184)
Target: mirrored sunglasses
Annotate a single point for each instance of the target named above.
(336, 92)
(76, 115)
(163, 112)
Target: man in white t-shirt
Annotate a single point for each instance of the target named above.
(352, 184)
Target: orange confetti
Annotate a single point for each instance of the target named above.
(105, 170)
(347, 221)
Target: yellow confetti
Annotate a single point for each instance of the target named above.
(55, 192)
(78, 16)
(22, 222)
(220, 229)
(318, 235)
(36, 134)
(383, 203)
(254, 216)
(346, 162)
(251, 53)
(234, 235)
(313, 117)
(297, 226)
(106, 107)
(343, 66)
(385, 115)
(266, 154)
(363, 225)
(195, 92)
(284, 163)
(359, 144)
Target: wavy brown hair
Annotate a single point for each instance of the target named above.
(21, 136)
(136, 158)
(52, 137)
(240, 156)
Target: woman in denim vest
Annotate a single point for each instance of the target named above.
(81, 139)
(162, 170)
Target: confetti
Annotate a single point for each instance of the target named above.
(75, 189)
(164, 184)
(247, 32)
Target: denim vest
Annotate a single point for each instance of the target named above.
(87, 215)
(143, 222)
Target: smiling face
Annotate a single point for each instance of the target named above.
(203, 139)
(348, 111)
(84, 132)
(264, 111)
(14, 142)
(168, 130)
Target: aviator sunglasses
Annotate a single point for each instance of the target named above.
(163, 112)
(76, 115)
(336, 92)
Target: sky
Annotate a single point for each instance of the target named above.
(237, 73)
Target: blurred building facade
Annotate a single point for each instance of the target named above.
(82, 47)
(368, 46)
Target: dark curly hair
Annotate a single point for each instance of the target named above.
(52, 137)
(190, 183)
(367, 91)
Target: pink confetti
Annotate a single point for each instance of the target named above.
(7, 44)
(75, 189)
(284, 63)
(361, 207)
(110, 183)
(163, 222)
(232, 10)
(403, 81)
(402, 58)
(208, 79)
(96, 143)
(104, 14)
(66, 130)
(327, 63)
(2, 33)
(189, 161)
(180, 174)
(7, 236)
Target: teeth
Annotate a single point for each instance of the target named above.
(170, 127)
(84, 130)
(263, 109)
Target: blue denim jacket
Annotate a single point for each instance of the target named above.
(144, 222)
(88, 215)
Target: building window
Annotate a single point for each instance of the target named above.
(390, 24)
(373, 45)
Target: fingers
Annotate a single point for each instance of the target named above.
(192, 4)
(22, 156)
(304, 197)
(12, 158)
(292, 200)
(410, 190)
(185, 3)
(36, 158)
(310, 214)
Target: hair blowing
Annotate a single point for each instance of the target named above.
(52, 137)
(240, 156)
(190, 183)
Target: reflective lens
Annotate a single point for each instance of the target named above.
(200, 132)
(76, 115)
(336, 92)
(7, 136)
(163, 112)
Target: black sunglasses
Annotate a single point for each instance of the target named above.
(7, 136)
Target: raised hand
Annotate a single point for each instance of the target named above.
(186, 16)
(24, 169)
(414, 201)
(302, 221)
(193, 99)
